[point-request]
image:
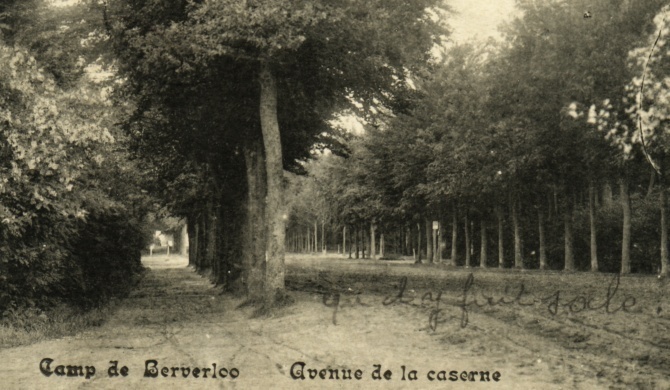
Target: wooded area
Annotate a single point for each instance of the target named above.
(545, 149)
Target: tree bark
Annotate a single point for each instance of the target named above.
(274, 205)
(253, 273)
(592, 223)
(627, 225)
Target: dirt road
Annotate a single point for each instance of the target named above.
(177, 319)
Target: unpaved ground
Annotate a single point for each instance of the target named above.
(178, 319)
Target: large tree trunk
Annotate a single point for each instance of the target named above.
(569, 259)
(501, 240)
(323, 237)
(626, 234)
(542, 234)
(518, 260)
(592, 223)
(274, 205)
(454, 237)
(429, 241)
(253, 273)
(483, 257)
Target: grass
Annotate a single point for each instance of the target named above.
(31, 325)
(34, 325)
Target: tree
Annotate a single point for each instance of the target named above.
(307, 58)
(62, 162)
(617, 118)
(642, 129)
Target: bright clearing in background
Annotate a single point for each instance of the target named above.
(479, 19)
(62, 3)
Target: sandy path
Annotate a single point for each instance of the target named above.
(178, 319)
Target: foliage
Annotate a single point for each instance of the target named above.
(508, 123)
(65, 183)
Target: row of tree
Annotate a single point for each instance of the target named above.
(228, 94)
(516, 148)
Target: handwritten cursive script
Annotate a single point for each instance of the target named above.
(469, 297)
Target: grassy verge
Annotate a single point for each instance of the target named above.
(31, 325)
